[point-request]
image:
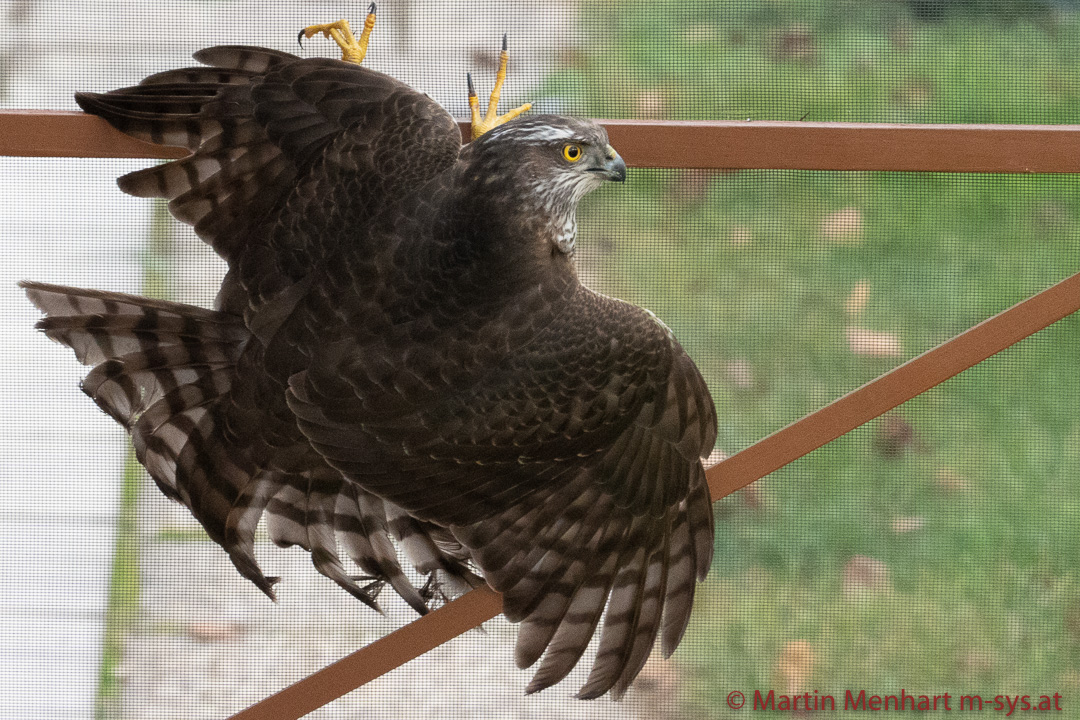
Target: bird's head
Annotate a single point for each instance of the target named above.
(549, 163)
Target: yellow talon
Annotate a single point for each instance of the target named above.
(492, 118)
(352, 50)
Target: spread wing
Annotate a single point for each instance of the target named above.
(570, 466)
(281, 146)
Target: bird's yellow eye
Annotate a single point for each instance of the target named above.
(572, 152)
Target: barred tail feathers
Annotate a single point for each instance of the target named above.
(162, 369)
(158, 366)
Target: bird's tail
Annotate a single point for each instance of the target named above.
(158, 368)
(164, 371)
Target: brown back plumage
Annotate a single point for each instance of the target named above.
(403, 350)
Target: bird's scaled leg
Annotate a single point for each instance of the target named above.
(352, 50)
(492, 118)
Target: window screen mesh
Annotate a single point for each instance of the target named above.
(936, 549)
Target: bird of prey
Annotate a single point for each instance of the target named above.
(401, 350)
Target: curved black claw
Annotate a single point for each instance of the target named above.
(504, 42)
(431, 587)
(371, 9)
(433, 590)
(373, 588)
(472, 89)
(300, 39)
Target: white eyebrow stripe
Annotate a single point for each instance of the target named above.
(540, 134)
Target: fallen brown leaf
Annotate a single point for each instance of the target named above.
(214, 631)
(864, 576)
(875, 344)
(795, 666)
(949, 479)
(858, 298)
(843, 225)
(905, 524)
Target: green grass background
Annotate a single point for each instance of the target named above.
(984, 594)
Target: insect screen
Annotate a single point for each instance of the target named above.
(931, 554)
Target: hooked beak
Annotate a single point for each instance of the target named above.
(614, 168)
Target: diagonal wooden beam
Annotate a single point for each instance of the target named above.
(895, 387)
(676, 144)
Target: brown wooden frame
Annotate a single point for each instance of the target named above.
(717, 145)
(677, 144)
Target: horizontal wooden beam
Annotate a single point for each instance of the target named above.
(848, 146)
(61, 133)
(675, 144)
(895, 387)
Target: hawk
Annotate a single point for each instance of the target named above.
(401, 350)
